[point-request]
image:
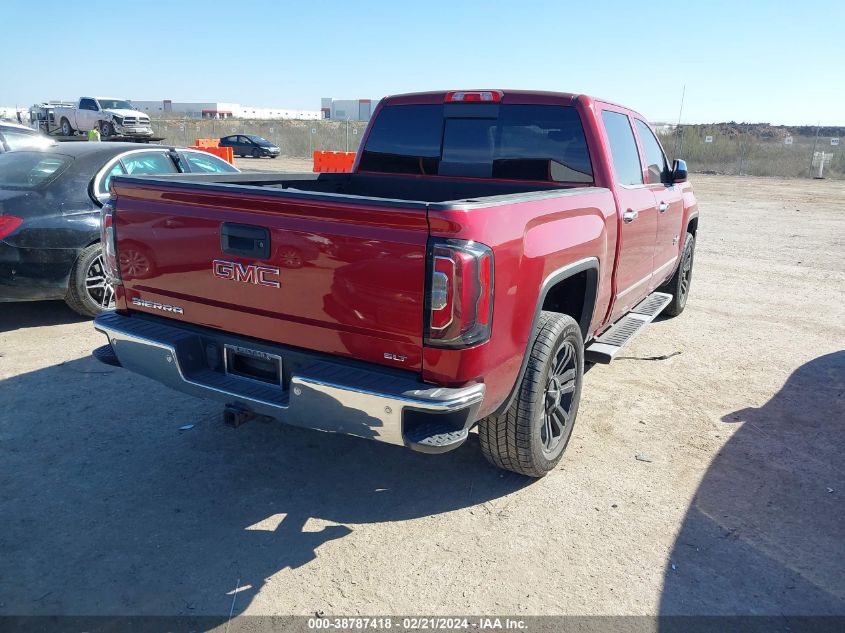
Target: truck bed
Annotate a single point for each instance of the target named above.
(334, 263)
(387, 189)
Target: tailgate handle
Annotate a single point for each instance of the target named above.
(245, 240)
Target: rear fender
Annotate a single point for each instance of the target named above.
(590, 265)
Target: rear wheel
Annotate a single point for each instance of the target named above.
(531, 436)
(67, 130)
(90, 291)
(678, 286)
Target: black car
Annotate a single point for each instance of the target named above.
(14, 137)
(50, 215)
(250, 145)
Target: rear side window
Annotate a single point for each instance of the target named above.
(623, 148)
(148, 163)
(28, 170)
(105, 182)
(514, 142)
(204, 163)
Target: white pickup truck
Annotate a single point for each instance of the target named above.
(113, 117)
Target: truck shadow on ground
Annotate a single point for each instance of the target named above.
(26, 314)
(765, 533)
(108, 508)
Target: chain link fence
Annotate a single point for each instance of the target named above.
(295, 138)
(724, 149)
(752, 151)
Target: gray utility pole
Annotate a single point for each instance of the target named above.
(347, 134)
(813, 153)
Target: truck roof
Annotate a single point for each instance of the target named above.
(512, 96)
(547, 97)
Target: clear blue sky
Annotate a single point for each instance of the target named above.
(746, 60)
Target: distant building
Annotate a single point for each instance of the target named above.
(347, 109)
(217, 110)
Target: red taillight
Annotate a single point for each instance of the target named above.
(460, 294)
(478, 96)
(8, 223)
(108, 240)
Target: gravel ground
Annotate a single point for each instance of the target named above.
(734, 506)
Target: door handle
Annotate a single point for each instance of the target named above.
(630, 215)
(245, 240)
(662, 207)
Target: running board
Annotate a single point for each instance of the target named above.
(607, 346)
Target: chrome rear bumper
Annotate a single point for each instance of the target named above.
(320, 394)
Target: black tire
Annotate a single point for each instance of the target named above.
(67, 130)
(273, 156)
(89, 292)
(523, 439)
(679, 285)
(106, 129)
(256, 153)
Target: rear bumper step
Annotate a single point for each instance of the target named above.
(607, 346)
(321, 395)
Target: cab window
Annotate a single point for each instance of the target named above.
(658, 168)
(623, 148)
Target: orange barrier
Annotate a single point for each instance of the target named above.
(221, 152)
(206, 142)
(334, 162)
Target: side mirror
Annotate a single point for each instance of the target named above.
(679, 171)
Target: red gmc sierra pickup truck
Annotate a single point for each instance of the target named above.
(486, 245)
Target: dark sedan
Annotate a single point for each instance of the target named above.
(50, 215)
(250, 145)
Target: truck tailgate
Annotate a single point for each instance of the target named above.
(331, 275)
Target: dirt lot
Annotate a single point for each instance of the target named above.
(107, 507)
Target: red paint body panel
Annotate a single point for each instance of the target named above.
(351, 278)
(356, 287)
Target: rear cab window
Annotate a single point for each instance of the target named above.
(501, 141)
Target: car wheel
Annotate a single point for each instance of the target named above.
(273, 156)
(679, 285)
(90, 291)
(106, 129)
(531, 436)
(67, 130)
(256, 153)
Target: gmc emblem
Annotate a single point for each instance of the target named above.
(249, 274)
